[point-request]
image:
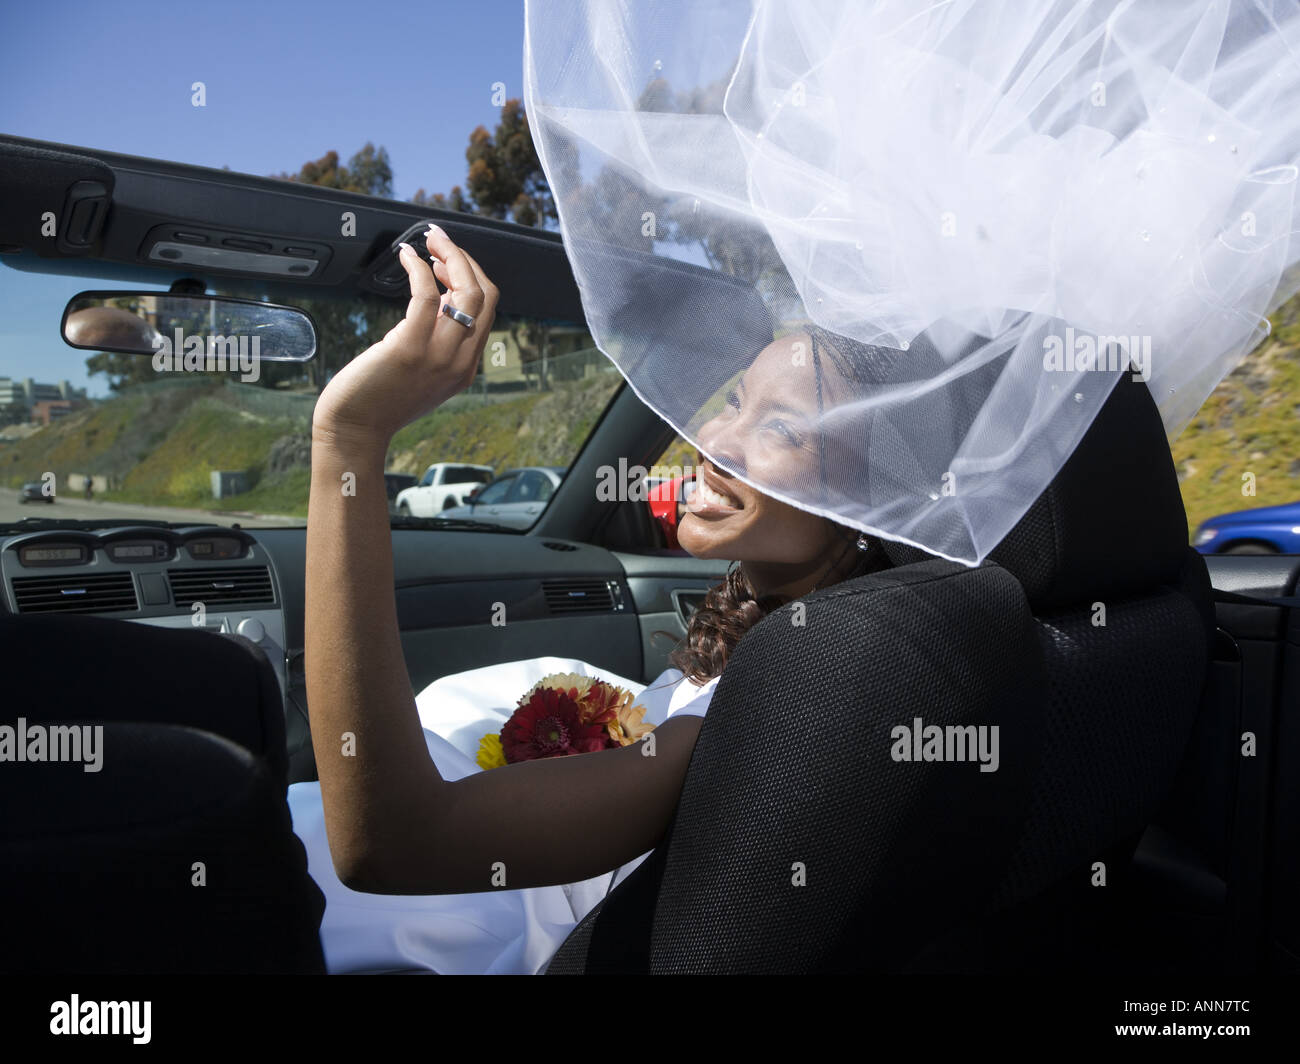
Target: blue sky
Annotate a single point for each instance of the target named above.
(286, 81)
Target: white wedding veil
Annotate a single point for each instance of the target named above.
(885, 260)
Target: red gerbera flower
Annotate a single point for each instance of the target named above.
(550, 723)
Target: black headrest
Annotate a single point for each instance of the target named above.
(113, 670)
(117, 846)
(1110, 524)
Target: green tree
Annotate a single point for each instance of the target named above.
(121, 370)
(368, 172)
(505, 180)
(453, 201)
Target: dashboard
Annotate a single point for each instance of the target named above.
(203, 576)
(454, 593)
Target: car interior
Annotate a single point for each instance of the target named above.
(1141, 820)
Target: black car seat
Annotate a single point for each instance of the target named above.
(177, 855)
(802, 845)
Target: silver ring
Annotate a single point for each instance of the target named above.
(458, 315)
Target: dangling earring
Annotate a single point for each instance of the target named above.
(863, 542)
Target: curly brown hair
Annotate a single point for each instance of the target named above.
(730, 609)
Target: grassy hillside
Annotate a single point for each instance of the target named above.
(158, 443)
(537, 429)
(1249, 424)
(109, 438)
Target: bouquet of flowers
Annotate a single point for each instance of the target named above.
(565, 713)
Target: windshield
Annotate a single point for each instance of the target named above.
(107, 437)
(118, 440)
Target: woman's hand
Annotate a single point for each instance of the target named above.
(425, 359)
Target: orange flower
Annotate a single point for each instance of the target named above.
(601, 702)
(628, 727)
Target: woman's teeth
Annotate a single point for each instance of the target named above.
(705, 495)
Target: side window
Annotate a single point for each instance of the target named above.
(1238, 459)
(529, 487)
(428, 478)
(467, 475)
(546, 490)
(667, 484)
(525, 359)
(496, 493)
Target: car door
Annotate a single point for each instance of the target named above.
(526, 500)
(420, 501)
(490, 503)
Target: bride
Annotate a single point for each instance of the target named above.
(401, 810)
(928, 198)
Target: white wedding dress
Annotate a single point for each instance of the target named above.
(506, 932)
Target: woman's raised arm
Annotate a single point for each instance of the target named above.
(394, 825)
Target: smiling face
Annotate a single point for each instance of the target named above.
(768, 432)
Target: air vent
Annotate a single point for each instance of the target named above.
(86, 593)
(582, 596)
(551, 544)
(221, 587)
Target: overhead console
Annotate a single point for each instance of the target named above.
(129, 218)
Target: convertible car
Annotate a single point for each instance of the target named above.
(1145, 816)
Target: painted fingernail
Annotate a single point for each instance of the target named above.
(404, 246)
(436, 230)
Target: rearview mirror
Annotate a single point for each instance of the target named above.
(145, 323)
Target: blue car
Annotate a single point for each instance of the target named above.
(1266, 530)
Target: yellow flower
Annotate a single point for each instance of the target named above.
(628, 728)
(490, 754)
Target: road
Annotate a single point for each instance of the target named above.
(74, 506)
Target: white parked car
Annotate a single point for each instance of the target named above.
(444, 485)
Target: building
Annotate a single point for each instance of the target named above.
(39, 401)
(46, 410)
(569, 355)
(11, 393)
